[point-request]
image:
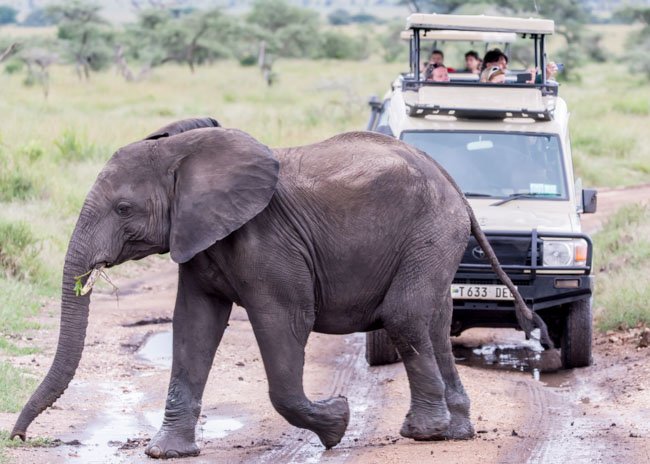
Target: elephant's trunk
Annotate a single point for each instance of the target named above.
(72, 334)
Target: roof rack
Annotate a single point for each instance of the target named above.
(480, 23)
(461, 36)
(470, 101)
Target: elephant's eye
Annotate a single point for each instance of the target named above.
(123, 209)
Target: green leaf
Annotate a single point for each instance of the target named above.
(78, 286)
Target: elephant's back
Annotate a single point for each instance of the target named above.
(362, 163)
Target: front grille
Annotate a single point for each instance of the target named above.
(495, 281)
(509, 251)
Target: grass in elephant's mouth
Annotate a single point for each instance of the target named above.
(81, 289)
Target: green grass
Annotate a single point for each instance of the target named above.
(15, 387)
(609, 121)
(622, 258)
(37, 442)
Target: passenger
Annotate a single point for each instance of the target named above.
(472, 62)
(493, 58)
(440, 73)
(437, 57)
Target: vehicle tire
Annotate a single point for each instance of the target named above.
(380, 349)
(576, 337)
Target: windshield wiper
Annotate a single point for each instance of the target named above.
(474, 194)
(517, 196)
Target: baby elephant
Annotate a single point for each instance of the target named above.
(352, 234)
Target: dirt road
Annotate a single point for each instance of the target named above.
(592, 415)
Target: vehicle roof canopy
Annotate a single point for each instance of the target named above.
(462, 36)
(480, 23)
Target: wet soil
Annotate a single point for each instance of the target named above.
(523, 409)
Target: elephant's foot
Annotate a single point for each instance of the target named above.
(460, 428)
(330, 419)
(425, 426)
(168, 444)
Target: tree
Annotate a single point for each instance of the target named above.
(8, 52)
(85, 33)
(288, 30)
(638, 42)
(7, 14)
(38, 17)
(160, 36)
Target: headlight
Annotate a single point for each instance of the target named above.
(565, 252)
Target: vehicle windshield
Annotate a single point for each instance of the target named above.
(498, 165)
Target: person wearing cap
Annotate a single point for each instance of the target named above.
(495, 75)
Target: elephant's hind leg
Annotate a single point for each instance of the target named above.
(457, 400)
(407, 309)
(199, 324)
(283, 353)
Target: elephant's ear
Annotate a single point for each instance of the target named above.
(222, 179)
(181, 126)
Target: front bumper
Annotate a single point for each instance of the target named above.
(540, 286)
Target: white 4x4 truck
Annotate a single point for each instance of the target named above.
(507, 145)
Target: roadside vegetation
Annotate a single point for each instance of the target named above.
(52, 148)
(622, 258)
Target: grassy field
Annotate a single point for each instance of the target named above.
(622, 256)
(51, 151)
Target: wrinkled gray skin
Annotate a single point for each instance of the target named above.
(352, 234)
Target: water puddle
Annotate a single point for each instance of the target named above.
(522, 356)
(117, 423)
(157, 350)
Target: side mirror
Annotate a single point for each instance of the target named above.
(375, 108)
(589, 200)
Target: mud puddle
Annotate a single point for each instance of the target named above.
(157, 350)
(510, 354)
(116, 423)
(121, 422)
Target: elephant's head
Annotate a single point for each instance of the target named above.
(181, 189)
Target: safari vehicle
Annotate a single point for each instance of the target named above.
(507, 146)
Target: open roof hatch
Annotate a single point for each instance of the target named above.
(473, 99)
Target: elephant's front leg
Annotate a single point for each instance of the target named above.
(283, 352)
(199, 323)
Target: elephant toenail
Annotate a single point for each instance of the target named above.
(172, 454)
(154, 452)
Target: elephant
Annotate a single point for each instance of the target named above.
(352, 234)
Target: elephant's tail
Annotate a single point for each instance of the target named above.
(528, 320)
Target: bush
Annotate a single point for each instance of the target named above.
(622, 256)
(14, 66)
(7, 14)
(15, 180)
(18, 251)
(38, 17)
(75, 148)
(339, 17)
(248, 60)
(342, 47)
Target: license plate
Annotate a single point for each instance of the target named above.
(480, 292)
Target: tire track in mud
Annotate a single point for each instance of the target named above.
(354, 379)
(579, 421)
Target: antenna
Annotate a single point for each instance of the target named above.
(536, 9)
